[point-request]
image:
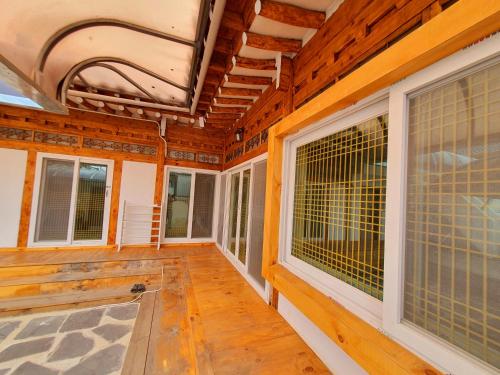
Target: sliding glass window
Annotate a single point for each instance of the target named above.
(73, 199)
(190, 204)
(452, 239)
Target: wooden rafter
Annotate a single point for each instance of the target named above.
(271, 43)
(258, 64)
(223, 116)
(247, 80)
(234, 101)
(218, 109)
(238, 91)
(289, 14)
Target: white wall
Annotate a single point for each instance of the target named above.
(137, 187)
(337, 361)
(12, 172)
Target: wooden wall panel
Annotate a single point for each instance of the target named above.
(357, 31)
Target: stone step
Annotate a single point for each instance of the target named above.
(82, 285)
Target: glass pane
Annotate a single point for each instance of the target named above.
(257, 227)
(339, 204)
(233, 213)
(179, 190)
(222, 200)
(452, 245)
(242, 250)
(203, 205)
(55, 200)
(89, 215)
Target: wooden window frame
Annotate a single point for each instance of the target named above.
(435, 349)
(460, 25)
(365, 306)
(71, 224)
(188, 238)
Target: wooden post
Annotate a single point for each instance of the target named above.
(115, 201)
(29, 180)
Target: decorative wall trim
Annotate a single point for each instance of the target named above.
(15, 134)
(208, 158)
(181, 155)
(55, 139)
(100, 144)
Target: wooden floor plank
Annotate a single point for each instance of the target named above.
(135, 361)
(206, 319)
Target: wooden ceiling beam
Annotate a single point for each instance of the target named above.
(235, 101)
(213, 78)
(223, 116)
(224, 45)
(257, 64)
(218, 109)
(289, 14)
(271, 43)
(225, 122)
(233, 20)
(248, 80)
(237, 91)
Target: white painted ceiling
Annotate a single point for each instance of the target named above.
(26, 25)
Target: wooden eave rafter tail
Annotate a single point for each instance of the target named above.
(241, 24)
(218, 109)
(289, 14)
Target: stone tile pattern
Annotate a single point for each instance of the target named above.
(88, 341)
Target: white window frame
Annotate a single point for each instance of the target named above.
(365, 306)
(435, 350)
(189, 238)
(71, 224)
(233, 258)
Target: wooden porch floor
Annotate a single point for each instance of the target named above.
(206, 319)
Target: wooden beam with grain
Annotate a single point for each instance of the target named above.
(250, 63)
(271, 43)
(289, 14)
(115, 201)
(29, 181)
(247, 80)
(219, 109)
(238, 91)
(223, 116)
(233, 101)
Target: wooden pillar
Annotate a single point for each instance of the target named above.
(160, 172)
(115, 202)
(29, 180)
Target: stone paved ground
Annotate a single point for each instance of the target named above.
(88, 341)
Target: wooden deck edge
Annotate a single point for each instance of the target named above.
(374, 351)
(135, 359)
(58, 248)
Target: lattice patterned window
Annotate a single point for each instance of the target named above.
(339, 202)
(452, 246)
(335, 194)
